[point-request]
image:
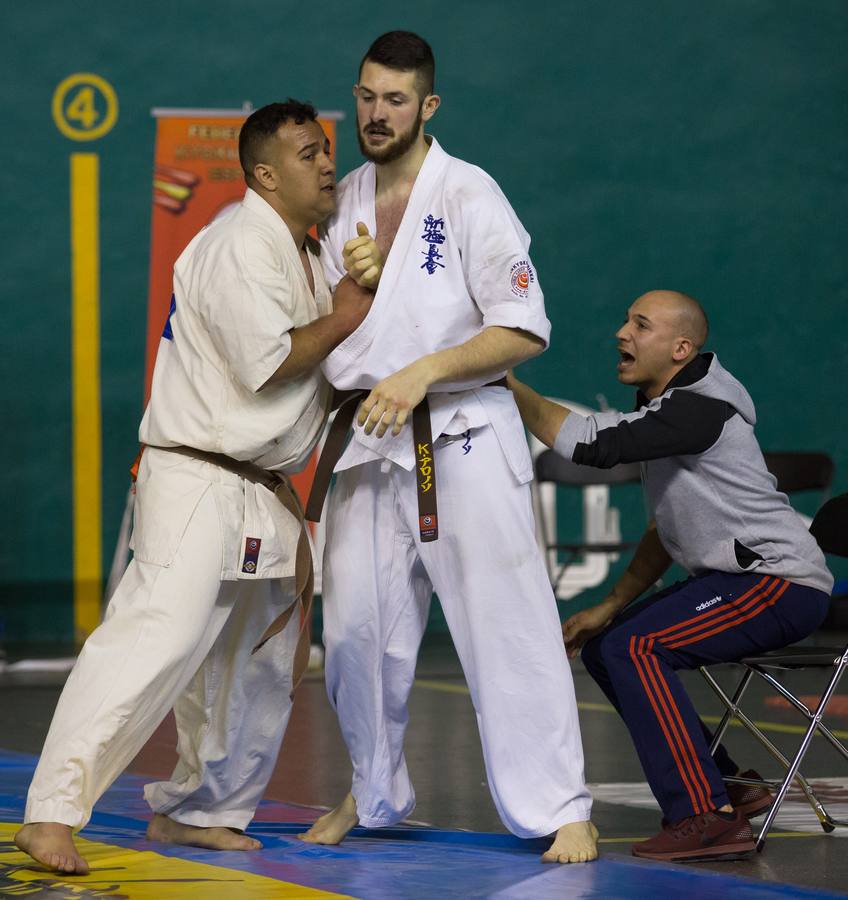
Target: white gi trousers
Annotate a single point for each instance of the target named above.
(488, 573)
(175, 636)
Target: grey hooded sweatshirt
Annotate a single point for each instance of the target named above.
(715, 503)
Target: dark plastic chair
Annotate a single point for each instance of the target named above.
(555, 468)
(830, 529)
(801, 471)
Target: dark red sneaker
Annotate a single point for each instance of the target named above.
(703, 837)
(752, 800)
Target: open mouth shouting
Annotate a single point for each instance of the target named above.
(626, 360)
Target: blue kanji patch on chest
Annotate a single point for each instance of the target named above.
(434, 236)
(168, 332)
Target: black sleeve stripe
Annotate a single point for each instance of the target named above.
(684, 423)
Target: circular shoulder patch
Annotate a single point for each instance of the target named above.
(521, 276)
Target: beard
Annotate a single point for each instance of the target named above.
(394, 149)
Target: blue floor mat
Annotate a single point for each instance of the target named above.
(389, 864)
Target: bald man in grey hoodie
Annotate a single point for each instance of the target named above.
(758, 579)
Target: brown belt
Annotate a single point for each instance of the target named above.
(425, 473)
(331, 453)
(247, 470)
(425, 462)
(304, 575)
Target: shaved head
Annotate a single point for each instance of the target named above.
(691, 320)
(662, 333)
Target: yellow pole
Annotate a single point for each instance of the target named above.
(85, 377)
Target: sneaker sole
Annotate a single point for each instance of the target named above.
(722, 852)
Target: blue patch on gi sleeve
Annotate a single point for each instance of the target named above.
(168, 333)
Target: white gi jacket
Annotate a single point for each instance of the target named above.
(459, 263)
(239, 288)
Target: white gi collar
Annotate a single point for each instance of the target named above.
(263, 208)
(435, 156)
(256, 204)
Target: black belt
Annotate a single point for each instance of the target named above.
(425, 461)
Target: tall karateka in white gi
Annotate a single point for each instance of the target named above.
(457, 305)
(236, 386)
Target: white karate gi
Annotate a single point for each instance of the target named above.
(194, 602)
(458, 264)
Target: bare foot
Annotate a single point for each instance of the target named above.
(334, 826)
(577, 842)
(167, 831)
(52, 845)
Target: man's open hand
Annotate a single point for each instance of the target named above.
(393, 399)
(362, 258)
(582, 626)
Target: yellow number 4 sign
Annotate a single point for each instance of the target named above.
(85, 107)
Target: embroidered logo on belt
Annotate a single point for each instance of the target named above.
(433, 234)
(424, 465)
(426, 477)
(251, 555)
(427, 526)
(521, 276)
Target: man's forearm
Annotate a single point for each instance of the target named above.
(649, 562)
(312, 343)
(542, 417)
(492, 350)
(309, 347)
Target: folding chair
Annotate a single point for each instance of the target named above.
(830, 529)
(556, 469)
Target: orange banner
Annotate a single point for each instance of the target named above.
(196, 176)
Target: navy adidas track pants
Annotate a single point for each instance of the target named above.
(716, 617)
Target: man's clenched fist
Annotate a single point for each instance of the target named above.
(362, 258)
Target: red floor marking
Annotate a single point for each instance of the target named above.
(159, 756)
(838, 705)
(826, 791)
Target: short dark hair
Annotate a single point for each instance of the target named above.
(405, 52)
(262, 124)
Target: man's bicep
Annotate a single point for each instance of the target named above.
(500, 274)
(250, 325)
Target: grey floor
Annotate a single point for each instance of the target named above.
(444, 758)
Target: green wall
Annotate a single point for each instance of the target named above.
(644, 144)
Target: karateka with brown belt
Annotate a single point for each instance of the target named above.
(458, 303)
(198, 622)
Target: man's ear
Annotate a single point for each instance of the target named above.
(429, 106)
(265, 176)
(682, 348)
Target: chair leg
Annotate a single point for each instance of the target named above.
(802, 708)
(743, 719)
(805, 743)
(730, 707)
(560, 572)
